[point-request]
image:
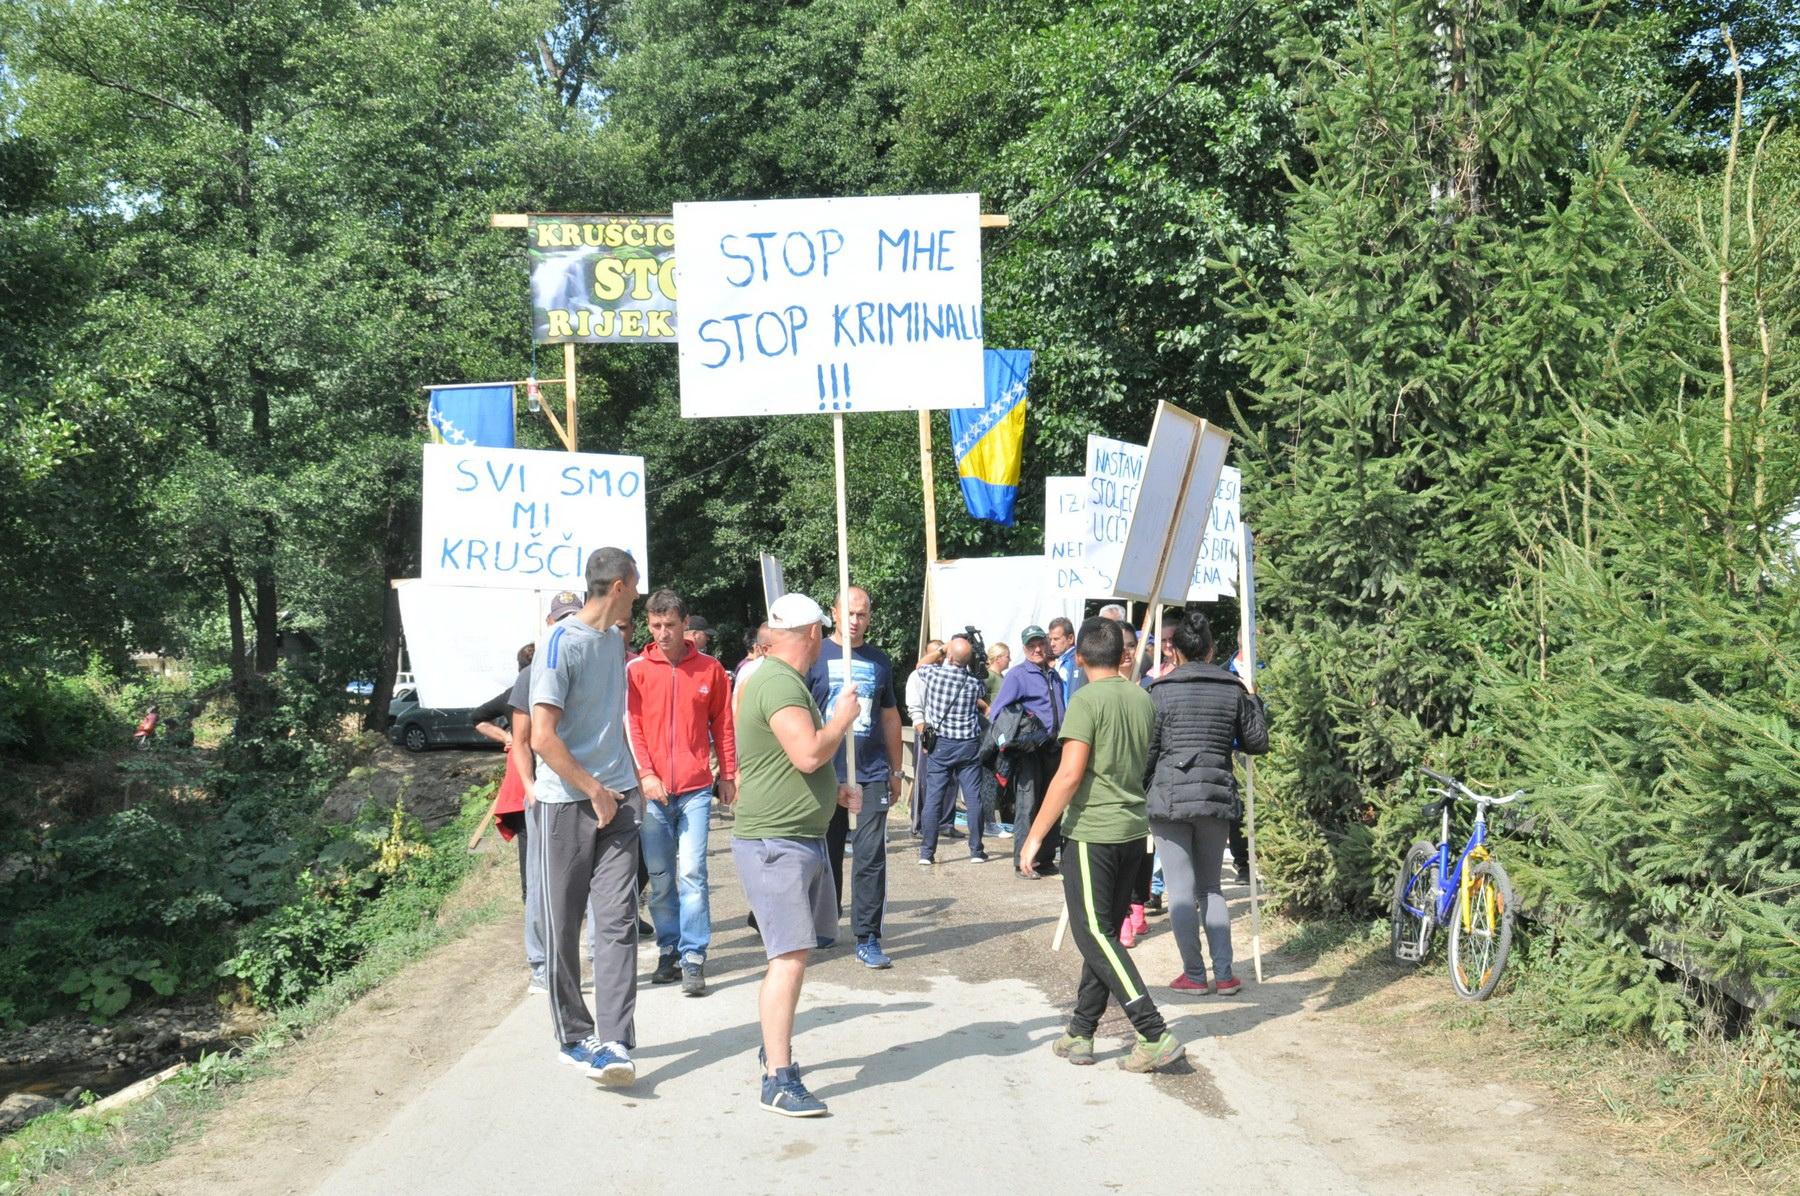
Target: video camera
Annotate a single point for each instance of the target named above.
(978, 660)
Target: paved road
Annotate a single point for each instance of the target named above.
(940, 1078)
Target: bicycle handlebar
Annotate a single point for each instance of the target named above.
(1467, 793)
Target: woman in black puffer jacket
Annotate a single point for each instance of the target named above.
(1203, 713)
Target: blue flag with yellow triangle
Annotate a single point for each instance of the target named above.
(480, 414)
(990, 440)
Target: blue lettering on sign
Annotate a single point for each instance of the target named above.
(463, 468)
(915, 249)
(772, 333)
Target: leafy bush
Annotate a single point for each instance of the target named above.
(54, 718)
(299, 947)
(400, 885)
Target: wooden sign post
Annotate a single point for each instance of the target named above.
(1247, 674)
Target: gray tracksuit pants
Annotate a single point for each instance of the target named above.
(583, 865)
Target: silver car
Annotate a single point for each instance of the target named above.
(415, 727)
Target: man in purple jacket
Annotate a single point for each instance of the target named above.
(1033, 683)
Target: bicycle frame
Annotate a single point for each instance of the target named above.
(1450, 886)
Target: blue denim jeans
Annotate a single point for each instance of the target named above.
(674, 838)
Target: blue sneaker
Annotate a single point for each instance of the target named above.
(611, 1066)
(580, 1054)
(762, 1061)
(825, 943)
(870, 954)
(783, 1093)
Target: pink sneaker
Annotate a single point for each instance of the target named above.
(1182, 984)
(1139, 923)
(1127, 936)
(1226, 987)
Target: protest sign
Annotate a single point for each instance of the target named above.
(523, 519)
(802, 306)
(1065, 536)
(601, 279)
(1115, 471)
(999, 596)
(774, 579)
(463, 642)
(1174, 501)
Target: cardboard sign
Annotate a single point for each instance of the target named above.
(1174, 503)
(999, 596)
(802, 306)
(463, 642)
(523, 519)
(1065, 536)
(1114, 487)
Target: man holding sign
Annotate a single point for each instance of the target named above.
(787, 793)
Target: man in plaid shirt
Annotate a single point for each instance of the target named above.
(954, 702)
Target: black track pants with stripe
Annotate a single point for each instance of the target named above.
(1097, 884)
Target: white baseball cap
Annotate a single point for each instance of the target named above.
(791, 612)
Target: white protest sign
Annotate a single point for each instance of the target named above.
(524, 519)
(1174, 502)
(802, 306)
(1065, 536)
(463, 642)
(1114, 479)
(998, 596)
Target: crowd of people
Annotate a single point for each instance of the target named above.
(617, 758)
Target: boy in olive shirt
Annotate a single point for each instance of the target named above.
(1100, 785)
(787, 793)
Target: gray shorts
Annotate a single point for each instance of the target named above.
(791, 892)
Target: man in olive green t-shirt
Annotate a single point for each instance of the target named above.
(787, 794)
(1098, 792)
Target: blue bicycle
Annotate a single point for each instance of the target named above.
(1474, 898)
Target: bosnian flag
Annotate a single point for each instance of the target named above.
(990, 440)
(480, 415)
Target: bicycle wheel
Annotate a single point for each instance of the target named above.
(1478, 953)
(1414, 921)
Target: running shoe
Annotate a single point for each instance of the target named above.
(1149, 1056)
(1074, 1048)
(783, 1093)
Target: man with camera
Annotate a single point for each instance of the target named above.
(955, 699)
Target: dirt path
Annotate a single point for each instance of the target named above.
(1297, 1085)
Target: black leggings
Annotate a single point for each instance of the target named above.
(1140, 881)
(1097, 880)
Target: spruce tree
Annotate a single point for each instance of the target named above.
(1458, 246)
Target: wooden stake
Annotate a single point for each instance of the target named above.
(569, 394)
(926, 476)
(843, 546)
(1247, 646)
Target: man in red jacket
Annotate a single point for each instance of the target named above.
(679, 715)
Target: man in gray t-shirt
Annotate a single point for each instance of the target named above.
(581, 671)
(586, 819)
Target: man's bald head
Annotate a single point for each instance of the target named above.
(960, 651)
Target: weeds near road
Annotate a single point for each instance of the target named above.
(401, 925)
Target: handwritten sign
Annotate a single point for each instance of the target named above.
(523, 519)
(1114, 482)
(1065, 536)
(801, 306)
